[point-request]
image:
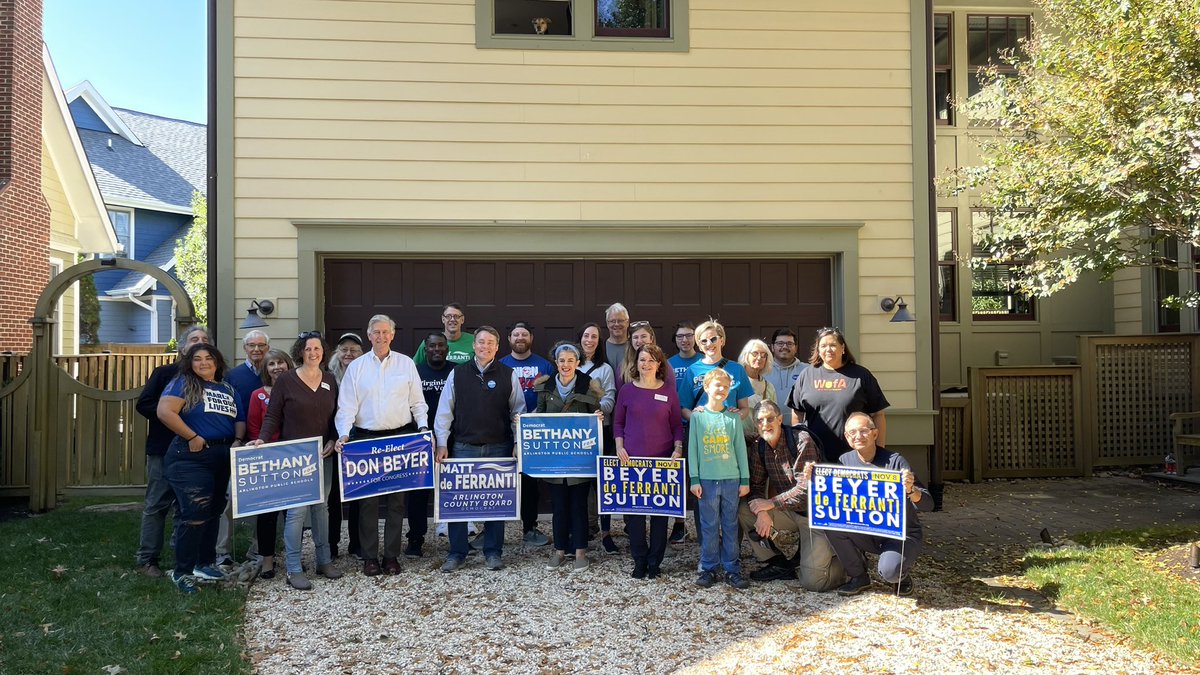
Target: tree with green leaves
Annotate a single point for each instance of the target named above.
(89, 309)
(1091, 150)
(191, 258)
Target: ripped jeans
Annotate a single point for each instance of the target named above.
(199, 480)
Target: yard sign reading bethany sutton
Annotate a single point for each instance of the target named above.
(853, 499)
(559, 445)
(381, 466)
(276, 476)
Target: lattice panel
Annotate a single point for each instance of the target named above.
(1029, 419)
(1137, 386)
(955, 426)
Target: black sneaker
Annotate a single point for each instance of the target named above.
(773, 573)
(678, 533)
(905, 588)
(639, 569)
(653, 571)
(737, 581)
(855, 586)
(609, 545)
(705, 579)
(413, 550)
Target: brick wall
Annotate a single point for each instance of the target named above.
(24, 214)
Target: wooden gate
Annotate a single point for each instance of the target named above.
(1027, 423)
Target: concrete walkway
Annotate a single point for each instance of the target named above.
(985, 527)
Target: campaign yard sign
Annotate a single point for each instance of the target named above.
(276, 476)
(478, 489)
(643, 486)
(559, 445)
(381, 466)
(854, 499)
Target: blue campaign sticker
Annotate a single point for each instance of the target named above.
(275, 476)
(559, 445)
(863, 500)
(643, 486)
(491, 384)
(380, 466)
(478, 489)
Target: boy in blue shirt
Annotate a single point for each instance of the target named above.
(720, 475)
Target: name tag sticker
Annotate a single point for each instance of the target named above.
(325, 385)
(660, 397)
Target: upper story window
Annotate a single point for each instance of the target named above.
(122, 222)
(598, 25)
(943, 68)
(987, 38)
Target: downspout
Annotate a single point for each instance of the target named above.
(213, 204)
(936, 484)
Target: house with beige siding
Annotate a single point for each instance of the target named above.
(768, 163)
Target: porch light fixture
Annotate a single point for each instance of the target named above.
(902, 314)
(253, 320)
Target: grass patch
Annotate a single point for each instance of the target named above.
(1112, 579)
(72, 602)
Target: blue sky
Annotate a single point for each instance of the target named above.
(145, 55)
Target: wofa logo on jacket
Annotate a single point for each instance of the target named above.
(830, 385)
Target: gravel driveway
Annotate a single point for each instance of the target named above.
(526, 619)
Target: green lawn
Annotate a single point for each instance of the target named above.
(1112, 578)
(72, 603)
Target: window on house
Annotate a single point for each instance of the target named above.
(633, 18)
(609, 25)
(943, 60)
(947, 264)
(987, 38)
(122, 222)
(993, 292)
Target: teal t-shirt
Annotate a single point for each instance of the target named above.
(717, 447)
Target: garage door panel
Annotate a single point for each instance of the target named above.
(750, 297)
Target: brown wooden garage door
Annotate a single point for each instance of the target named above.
(750, 297)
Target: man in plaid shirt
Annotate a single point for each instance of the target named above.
(776, 508)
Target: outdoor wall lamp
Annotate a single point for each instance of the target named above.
(253, 320)
(901, 307)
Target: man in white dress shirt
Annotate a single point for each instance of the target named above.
(380, 396)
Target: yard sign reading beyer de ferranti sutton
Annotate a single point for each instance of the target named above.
(853, 499)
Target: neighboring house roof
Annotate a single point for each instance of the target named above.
(93, 230)
(136, 283)
(144, 161)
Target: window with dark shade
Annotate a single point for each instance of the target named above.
(988, 37)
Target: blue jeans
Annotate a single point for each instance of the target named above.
(493, 530)
(159, 500)
(719, 525)
(199, 480)
(293, 526)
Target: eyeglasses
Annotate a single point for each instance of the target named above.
(639, 324)
(761, 355)
(256, 345)
(309, 334)
(378, 333)
(708, 341)
(860, 433)
(768, 419)
(453, 317)
(684, 336)
(784, 343)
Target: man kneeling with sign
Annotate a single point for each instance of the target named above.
(861, 510)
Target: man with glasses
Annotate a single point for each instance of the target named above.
(459, 341)
(380, 396)
(616, 317)
(685, 342)
(787, 367)
(896, 557)
(776, 508)
(245, 380)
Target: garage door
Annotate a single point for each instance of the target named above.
(750, 297)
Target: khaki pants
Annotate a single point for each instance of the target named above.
(817, 567)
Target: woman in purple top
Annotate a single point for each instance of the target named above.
(647, 423)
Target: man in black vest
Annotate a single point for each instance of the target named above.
(478, 405)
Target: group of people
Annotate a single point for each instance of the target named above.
(751, 429)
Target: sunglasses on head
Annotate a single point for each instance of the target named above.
(309, 334)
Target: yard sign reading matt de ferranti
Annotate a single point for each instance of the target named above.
(854, 499)
(275, 476)
(482, 489)
(559, 445)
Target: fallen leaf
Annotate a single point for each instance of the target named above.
(180, 635)
(112, 670)
(46, 628)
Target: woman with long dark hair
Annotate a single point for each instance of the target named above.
(594, 364)
(202, 410)
(303, 405)
(832, 389)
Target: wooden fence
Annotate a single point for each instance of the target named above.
(1111, 410)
